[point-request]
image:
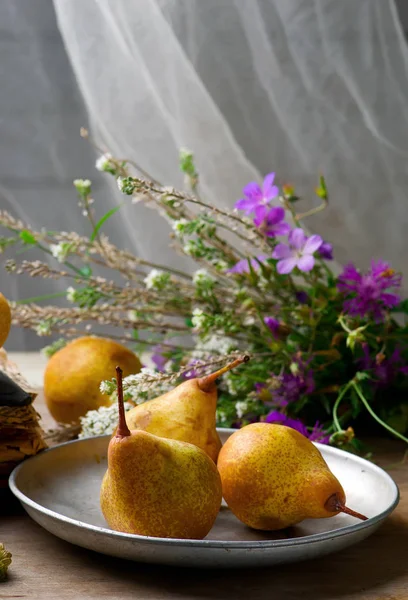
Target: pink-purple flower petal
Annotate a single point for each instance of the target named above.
(269, 190)
(286, 265)
(312, 244)
(253, 191)
(306, 263)
(282, 251)
(297, 238)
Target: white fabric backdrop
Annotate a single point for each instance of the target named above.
(295, 86)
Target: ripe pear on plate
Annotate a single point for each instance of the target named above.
(273, 477)
(156, 486)
(186, 413)
(73, 375)
(5, 319)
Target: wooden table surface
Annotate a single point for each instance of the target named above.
(48, 568)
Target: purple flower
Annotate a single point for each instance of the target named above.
(326, 251)
(384, 370)
(255, 196)
(316, 435)
(158, 359)
(302, 297)
(298, 254)
(271, 222)
(288, 387)
(366, 294)
(242, 266)
(273, 325)
(192, 373)
(277, 417)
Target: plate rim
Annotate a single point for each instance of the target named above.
(202, 544)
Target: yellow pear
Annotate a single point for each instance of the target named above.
(274, 477)
(186, 413)
(74, 373)
(156, 486)
(5, 319)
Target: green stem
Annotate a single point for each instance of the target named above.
(375, 416)
(337, 404)
(70, 265)
(40, 298)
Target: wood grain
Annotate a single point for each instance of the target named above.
(47, 568)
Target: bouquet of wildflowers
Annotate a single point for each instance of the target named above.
(328, 353)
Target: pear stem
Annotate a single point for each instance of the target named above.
(334, 504)
(122, 430)
(207, 383)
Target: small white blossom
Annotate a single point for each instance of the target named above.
(248, 320)
(71, 294)
(241, 407)
(221, 265)
(103, 162)
(168, 366)
(179, 227)
(156, 280)
(189, 248)
(231, 385)
(107, 387)
(60, 251)
(221, 416)
(202, 277)
(43, 328)
(119, 182)
(199, 318)
(83, 186)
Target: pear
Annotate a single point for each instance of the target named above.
(5, 319)
(274, 477)
(156, 486)
(74, 373)
(186, 413)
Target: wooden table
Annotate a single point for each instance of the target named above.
(47, 568)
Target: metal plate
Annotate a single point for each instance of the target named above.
(59, 489)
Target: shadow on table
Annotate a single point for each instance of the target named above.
(374, 562)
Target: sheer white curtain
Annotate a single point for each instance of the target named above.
(300, 87)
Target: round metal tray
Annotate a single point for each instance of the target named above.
(59, 488)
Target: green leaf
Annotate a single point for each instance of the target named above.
(103, 220)
(252, 273)
(27, 237)
(321, 190)
(402, 307)
(86, 271)
(361, 376)
(265, 271)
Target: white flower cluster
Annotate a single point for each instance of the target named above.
(198, 319)
(231, 384)
(156, 280)
(221, 416)
(241, 407)
(60, 251)
(202, 278)
(71, 294)
(214, 343)
(120, 183)
(179, 227)
(43, 328)
(83, 186)
(102, 421)
(190, 248)
(103, 162)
